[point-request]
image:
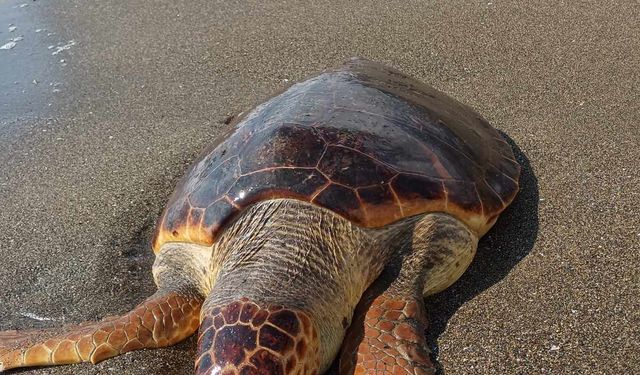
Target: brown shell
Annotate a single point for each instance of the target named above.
(365, 141)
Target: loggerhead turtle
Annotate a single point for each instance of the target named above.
(359, 184)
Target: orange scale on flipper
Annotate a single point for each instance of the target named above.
(96, 341)
(386, 336)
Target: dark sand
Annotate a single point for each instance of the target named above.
(86, 170)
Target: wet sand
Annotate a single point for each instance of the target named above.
(90, 154)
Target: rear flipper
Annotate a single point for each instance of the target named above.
(164, 319)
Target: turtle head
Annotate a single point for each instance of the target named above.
(245, 338)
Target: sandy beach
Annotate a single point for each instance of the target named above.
(103, 109)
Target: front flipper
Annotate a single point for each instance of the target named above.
(387, 336)
(164, 319)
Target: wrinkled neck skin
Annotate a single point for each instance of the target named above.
(295, 255)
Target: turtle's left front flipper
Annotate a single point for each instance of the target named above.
(163, 319)
(166, 318)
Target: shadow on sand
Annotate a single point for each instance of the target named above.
(508, 242)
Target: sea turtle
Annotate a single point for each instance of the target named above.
(309, 233)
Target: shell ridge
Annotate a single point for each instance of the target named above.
(273, 169)
(396, 198)
(502, 172)
(378, 161)
(446, 195)
(434, 177)
(493, 191)
(205, 179)
(475, 187)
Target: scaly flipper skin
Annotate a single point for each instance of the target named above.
(243, 338)
(162, 320)
(394, 338)
(387, 336)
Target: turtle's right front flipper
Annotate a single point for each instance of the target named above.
(387, 334)
(164, 319)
